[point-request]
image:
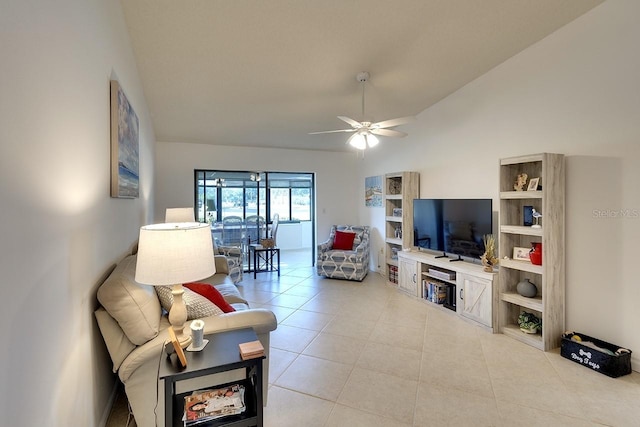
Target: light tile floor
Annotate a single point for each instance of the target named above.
(364, 354)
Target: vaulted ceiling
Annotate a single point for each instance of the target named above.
(267, 72)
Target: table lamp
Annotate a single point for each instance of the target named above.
(179, 215)
(173, 254)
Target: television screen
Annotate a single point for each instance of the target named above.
(452, 226)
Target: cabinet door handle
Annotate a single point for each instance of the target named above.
(414, 278)
(462, 293)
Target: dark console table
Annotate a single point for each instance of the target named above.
(221, 354)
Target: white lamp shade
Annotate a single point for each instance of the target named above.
(179, 215)
(174, 253)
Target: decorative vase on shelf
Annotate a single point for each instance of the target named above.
(535, 254)
(527, 289)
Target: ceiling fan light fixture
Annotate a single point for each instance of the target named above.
(364, 131)
(371, 139)
(362, 140)
(358, 141)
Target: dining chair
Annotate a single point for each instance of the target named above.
(232, 230)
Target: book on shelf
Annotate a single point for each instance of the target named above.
(434, 291)
(207, 405)
(250, 350)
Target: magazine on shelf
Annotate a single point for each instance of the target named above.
(206, 405)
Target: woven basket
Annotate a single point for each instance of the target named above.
(267, 243)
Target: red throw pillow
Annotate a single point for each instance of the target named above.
(210, 293)
(344, 240)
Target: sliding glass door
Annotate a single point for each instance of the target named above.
(223, 196)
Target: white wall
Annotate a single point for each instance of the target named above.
(60, 230)
(338, 191)
(575, 92)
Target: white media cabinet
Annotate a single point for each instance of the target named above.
(475, 289)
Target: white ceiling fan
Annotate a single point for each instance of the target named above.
(365, 132)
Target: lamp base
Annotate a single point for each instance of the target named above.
(183, 339)
(178, 316)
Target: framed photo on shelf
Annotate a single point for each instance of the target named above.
(521, 254)
(533, 184)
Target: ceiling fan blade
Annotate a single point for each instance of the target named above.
(352, 122)
(389, 132)
(332, 131)
(393, 122)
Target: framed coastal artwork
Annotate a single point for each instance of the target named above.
(373, 191)
(124, 146)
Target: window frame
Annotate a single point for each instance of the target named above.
(266, 177)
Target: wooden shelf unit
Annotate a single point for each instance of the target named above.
(549, 277)
(474, 289)
(400, 189)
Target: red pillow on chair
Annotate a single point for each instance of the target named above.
(344, 240)
(210, 293)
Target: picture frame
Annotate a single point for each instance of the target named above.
(533, 184)
(521, 254)
(176, 346)
(373, 191)
(125, 133)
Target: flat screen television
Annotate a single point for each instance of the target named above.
(452, 226)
